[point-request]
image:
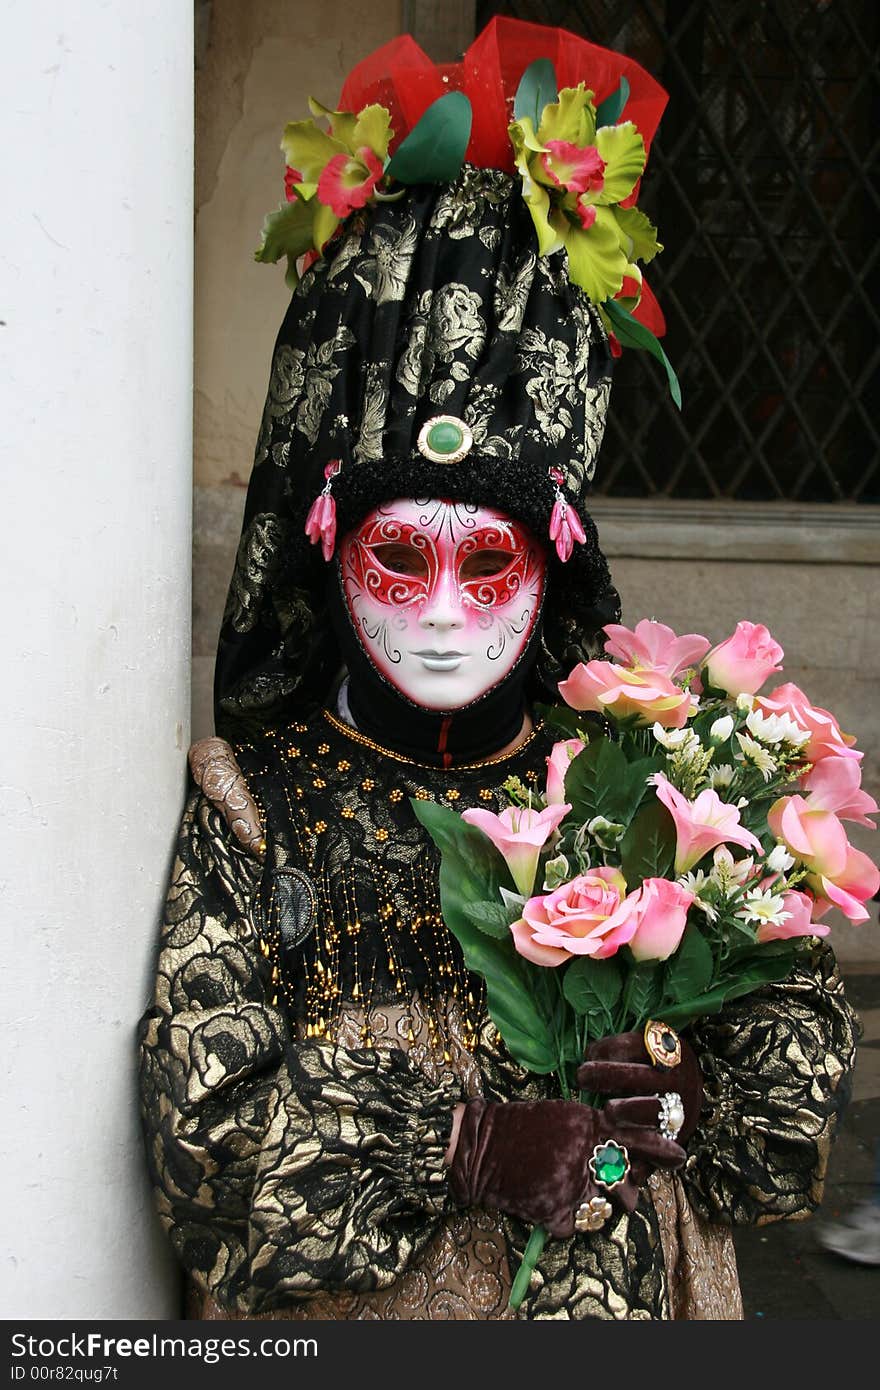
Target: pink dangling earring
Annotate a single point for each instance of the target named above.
(565, 524)
(321, 520)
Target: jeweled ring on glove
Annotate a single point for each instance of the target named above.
(609, 1164)
(671, 1114)
(662, 1044)
(592, 1215)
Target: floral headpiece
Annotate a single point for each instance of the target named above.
(580, 163)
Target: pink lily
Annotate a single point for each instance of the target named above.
(826, 738)
(816, 836)
(837, 872)
(519, 834)
(655, 647)
(702, 824)
(834, 784)
(849, 890)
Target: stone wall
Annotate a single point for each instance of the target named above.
(257, 64)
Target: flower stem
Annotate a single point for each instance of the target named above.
(530, 1258)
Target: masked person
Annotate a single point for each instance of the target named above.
(333, 1125)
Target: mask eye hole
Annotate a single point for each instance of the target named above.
(485, 564)
(402, 559)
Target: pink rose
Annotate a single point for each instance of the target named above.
(826, 739)
(558, 763)
(799, 922)
(609, 689)
(519, 834)
(837, 871)
(586, 917)
(701, 824)
(655, 647)
(659, 910)
(741, 664)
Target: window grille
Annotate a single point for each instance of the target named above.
(763, 183)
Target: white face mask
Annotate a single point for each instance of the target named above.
(443, 596)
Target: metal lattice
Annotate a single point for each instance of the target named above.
(763, 183)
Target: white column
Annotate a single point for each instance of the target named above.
(95, 400)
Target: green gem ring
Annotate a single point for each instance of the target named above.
(445, 439)
(609, 1164)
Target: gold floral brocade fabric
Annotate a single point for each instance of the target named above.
(314, 1025)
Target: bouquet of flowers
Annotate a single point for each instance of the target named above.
(688, 842)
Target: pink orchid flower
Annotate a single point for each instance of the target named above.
(741, 664)
(588, 213)
(579, 169)
(347, 181)
(826, 738)
(702, 824)
(798, 908)
(291, 178)
(558, 763)
(659, 913)
(834, 784)
(582, 918)
(650, 695)
(519, 834)
(655, 647)
(837, 872)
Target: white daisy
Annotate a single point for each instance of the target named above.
(762, 905)
(695, 883)
(757, 756)
(776, 728)
(674, 739)
(744, 703)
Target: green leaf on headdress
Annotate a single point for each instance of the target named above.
(434, 150)
(631, 333)
(287, 232)
(537, 88)
(610, 109)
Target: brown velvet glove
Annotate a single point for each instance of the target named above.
(530, 1159)
(621, 1067)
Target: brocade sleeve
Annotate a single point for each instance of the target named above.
(777, 1071)
(281, 1167)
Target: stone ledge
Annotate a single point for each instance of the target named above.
(770, 532)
